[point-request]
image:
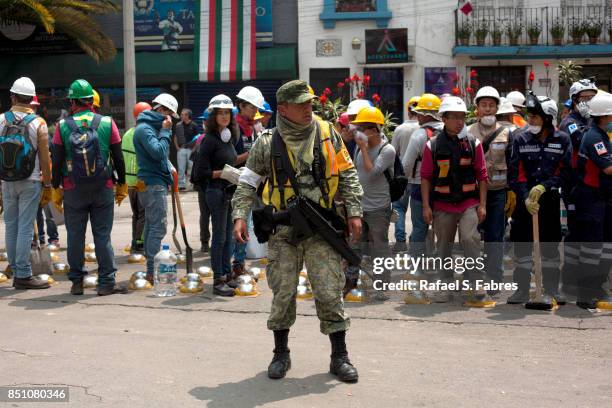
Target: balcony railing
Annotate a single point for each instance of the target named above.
(534, 26)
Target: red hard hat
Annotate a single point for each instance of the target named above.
(140, 107)
(344, 119)
(35, 101)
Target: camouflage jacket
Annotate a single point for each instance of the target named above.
(259, 162)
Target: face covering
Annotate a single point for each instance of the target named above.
(488, 120)
(463, 133)
(361, 136)
(535, 129)
(226, 135)
(583, 109)
(258, 127)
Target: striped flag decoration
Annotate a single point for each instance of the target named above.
(227, 40)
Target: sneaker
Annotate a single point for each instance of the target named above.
(112, 290)
(54, 242)
(77, 288)
(221, 288)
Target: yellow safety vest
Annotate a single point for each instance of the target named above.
(335, 162)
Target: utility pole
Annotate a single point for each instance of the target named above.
(129, 62)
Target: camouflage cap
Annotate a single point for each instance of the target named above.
(295, 91)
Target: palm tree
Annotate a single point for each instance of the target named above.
(69, 17)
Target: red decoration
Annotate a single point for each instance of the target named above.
(366, 80)
(546, 64)
(531, 76)
(456, 91)
(466, 8)
(360, 95)
(469, 90)
(473, 73)
(340, 84)
(327, 91)
(347, 80)
(355, 78)
(375, 98)
(474, 83)
(323, 99)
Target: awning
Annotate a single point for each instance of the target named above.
(534, 51)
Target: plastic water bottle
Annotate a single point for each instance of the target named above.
(165, 272)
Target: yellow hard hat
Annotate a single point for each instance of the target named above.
(310, 90)
(96, 99)
(428, 102)
(258, 116)
(370, 114)
(414, 100)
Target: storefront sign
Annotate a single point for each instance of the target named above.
(386, 45)
(164, 25)
(440, 80)
(17, 38)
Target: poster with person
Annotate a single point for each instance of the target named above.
(164, 25)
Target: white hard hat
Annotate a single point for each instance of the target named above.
(167, 101)
(582, 85)
(358, 104)
(601, 105)
(487, 92)
(220, 102)
(452, 104)
(24, 86)
(516, 98)
(252, 95)
(505, 106)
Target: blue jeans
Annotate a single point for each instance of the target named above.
(78, 208)
(419, 227)
(401, 206)
(21, 199)
(494, 227)
(239, 250)
(155, 202)
(184, 165)
(219, 204)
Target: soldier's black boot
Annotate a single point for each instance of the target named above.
(281, 362)
(340, 365)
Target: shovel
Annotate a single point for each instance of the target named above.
(177, 198)
(539, 302)
(40, 258)
(174, 238)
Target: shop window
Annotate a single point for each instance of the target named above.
(388, 83)
(339, 10)
(343, 6)
(504, 79)
(329, 78)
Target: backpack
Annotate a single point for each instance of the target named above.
(398, 182)
(86, 167)
(17, 153)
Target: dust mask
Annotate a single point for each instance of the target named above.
(488, 121)
(535, 129)
(226, 135)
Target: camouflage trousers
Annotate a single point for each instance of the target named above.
(325, 274)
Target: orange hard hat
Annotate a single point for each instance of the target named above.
(140, 107)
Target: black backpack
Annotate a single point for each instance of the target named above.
(17, 153)
(87, 168)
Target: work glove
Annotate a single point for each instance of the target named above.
(121, 191)
(46, 196)
(532, 206)
(140, 186)
(57, 197)
(510, 203)
(536, 192)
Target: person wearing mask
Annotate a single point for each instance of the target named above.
(454, 177)
(84, 168)
(372, 160)
(539, 164)
(201, 189)
(185, 134)
(215, 151)
(429, 126)
(400, 140)
(250, 99)
(131, 177)
(22, 190)
(495, 140)
(348, 136)
(151, 141)
(575, 124)
(593, 198)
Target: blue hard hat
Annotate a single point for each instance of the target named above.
(568, 103)
(266, 108)
(235, 110)
(204, 116)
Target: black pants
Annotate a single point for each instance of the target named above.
(204, 217)
(138, 217)
(549, 222)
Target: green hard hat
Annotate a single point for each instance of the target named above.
(80, 89)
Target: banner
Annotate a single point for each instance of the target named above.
(440, 80)
(164, 25)
(227, 40)
(18, 38)
(263, 23)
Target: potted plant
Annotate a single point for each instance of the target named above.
(576, 31)
(533, 31)
(464, 33)
(496, 34)
(514, 31)
(593, 30)
(557, 31)
(481, 31)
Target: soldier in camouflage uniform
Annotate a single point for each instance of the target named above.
(297, 127)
